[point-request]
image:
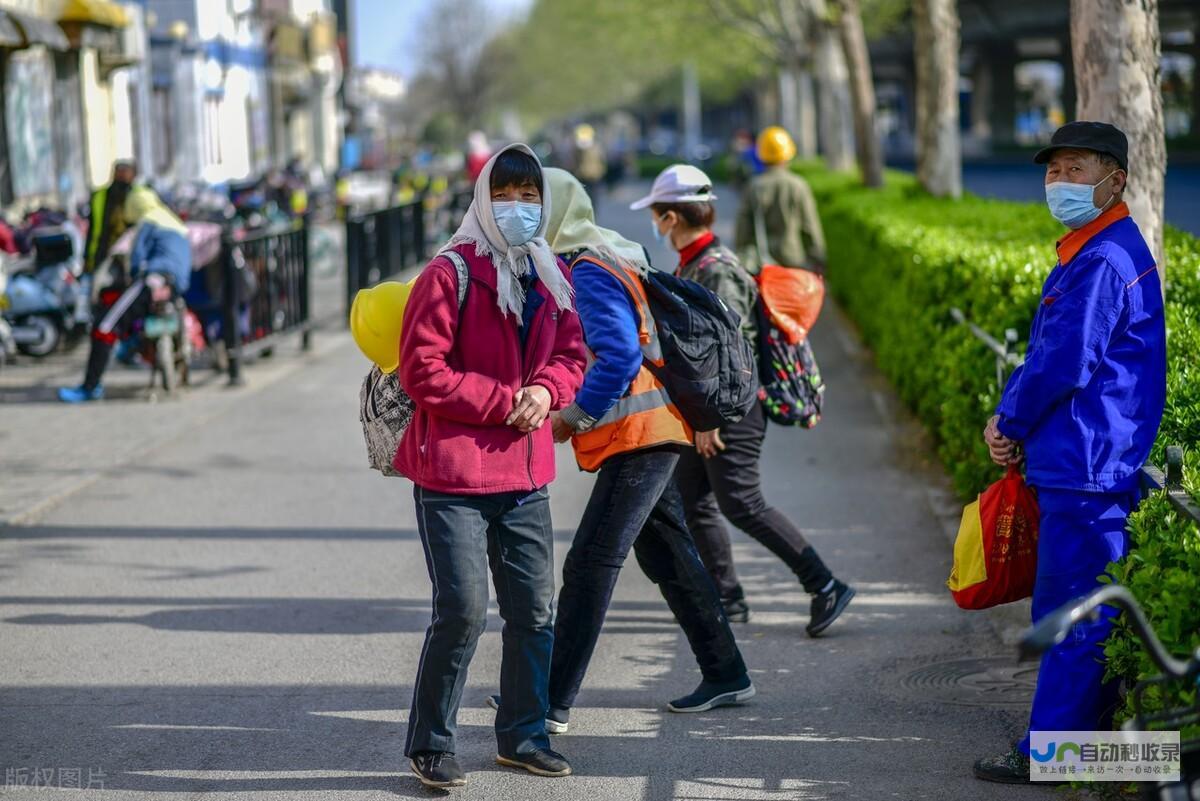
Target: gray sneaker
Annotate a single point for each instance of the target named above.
(1010, 768)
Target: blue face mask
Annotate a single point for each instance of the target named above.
(516, 220)
(659, 236)
(1071, 204)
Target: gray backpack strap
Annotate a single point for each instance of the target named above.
(464, 276)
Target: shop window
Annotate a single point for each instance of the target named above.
(28, 109)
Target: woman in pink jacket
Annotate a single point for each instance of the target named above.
(484, 378)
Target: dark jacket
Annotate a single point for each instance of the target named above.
(717, 269)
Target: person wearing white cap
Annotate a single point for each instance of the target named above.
(721, 476)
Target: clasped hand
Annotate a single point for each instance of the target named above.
(531, 406)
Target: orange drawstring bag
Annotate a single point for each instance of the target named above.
(793, 299)
(995, 553)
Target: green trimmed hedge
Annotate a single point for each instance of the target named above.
(899, 260)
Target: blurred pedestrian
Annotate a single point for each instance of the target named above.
(1083, 411)
(784, 204)
(744, 158)
(159, 254)
(721, 475)
(623, 426)
(484, 373)
(106, 221)
(591, 162)
(478, 153)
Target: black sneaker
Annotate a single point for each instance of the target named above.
(827, 606)
(710, 695)
(437, 769)
(1010, 768)
(737, 610)
(558, 719)
(543, 762)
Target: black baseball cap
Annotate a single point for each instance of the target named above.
(1096, 136)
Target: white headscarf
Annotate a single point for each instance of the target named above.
(573, 226)
(480, 229)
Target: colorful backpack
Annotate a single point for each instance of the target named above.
(793, 391)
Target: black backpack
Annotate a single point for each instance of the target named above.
(709, 369)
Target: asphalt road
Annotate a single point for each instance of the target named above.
(237, 614)
(1024, 181)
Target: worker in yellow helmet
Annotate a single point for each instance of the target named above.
(778, 221)
(375, 321)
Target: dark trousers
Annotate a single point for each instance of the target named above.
(1079, 533)
(115, 315)
(635, 504)
(729, 484)
(463, 535)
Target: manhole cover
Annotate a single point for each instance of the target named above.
(989, 682)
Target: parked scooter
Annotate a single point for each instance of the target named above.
(164, 340)
(44, 302)
(8, 345)
(166, 337)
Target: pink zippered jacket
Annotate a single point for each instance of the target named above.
(462, 371)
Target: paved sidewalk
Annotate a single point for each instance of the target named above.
(48, 449)
(239, 615)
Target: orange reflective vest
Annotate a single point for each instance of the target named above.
(645, 416)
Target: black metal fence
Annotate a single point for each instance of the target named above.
(381, 244)
(266, 292)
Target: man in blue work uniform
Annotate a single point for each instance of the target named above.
(1083, 411)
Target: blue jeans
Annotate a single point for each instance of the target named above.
(636, 503)
(462, 535)
(1079, 533)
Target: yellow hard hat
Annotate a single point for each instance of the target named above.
(376, 316)
(775, 146)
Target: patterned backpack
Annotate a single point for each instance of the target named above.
(384, 408)
(793, 391)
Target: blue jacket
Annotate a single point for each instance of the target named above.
(160, 250)
(1089, 398)
(610, 329)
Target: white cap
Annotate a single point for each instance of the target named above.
(679, 183)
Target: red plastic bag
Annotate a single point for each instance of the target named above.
(792, 298)
(995, 553)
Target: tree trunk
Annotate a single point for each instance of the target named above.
(1117, 54)
(806, 98)
(834, 119)
(862, 87)
(797, 108)
(939, 151)
(691, 112)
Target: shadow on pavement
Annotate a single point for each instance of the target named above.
(336, 738)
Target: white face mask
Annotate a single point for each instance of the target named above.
(1072, 205)
(518, 221)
